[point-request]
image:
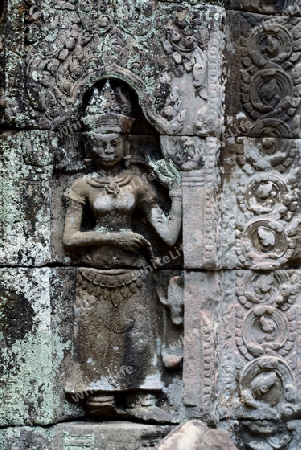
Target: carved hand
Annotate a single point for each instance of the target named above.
(128, 240)
(167, 174)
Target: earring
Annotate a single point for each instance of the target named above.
(88, 161)
(127, 160)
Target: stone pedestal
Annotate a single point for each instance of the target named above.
(84, 436)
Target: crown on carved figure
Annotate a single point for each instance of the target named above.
(108, 109)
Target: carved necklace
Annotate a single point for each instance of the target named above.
(111, 186)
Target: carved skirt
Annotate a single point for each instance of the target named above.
(115, 332)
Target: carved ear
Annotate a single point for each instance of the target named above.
(127, 160)
(127, 156)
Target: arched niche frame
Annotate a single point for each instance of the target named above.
(162, 125)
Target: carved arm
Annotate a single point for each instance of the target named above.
(168, 227)
(74, 237)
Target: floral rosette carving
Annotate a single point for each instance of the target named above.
(276, 289)
(265, 335)
(267, 384)
(268, 193)
(268, 240)
(267, 154)
(264, 244)
(270, 44)
(269, 435)
(263, 331)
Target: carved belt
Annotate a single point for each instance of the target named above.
(114, 285)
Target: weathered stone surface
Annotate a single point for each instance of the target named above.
(112, 139)
(117, 435)
(83, 435)
(33, 438)
(195, 435)
(36, 324)
(200, 213)
(129, 436)
(26, 170)
(62, 285)
(11, 50)
(70, 165)
(26, 362)
(261, 346)
(200, 357)
(37, 346)
(115, 367)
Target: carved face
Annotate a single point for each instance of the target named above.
(107, 149)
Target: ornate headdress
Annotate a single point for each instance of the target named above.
(107, 109)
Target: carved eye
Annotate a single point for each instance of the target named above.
(113, 143)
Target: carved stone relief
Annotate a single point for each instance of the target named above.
(267, 96)
(266, 319)
(115, 301)
(69, 46)
(266, 189)
(250, 333)
(150, 222)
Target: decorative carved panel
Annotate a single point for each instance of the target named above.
(260, 203)
(160, 49)
(264, 83)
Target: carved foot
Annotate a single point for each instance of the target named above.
(152, 415)
(101, 405)
(140, 408)
(143, 407)
(171, 361)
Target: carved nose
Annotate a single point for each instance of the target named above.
(109, 149)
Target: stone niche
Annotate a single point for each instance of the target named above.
(150, 223)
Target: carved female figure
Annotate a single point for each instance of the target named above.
(114, 313)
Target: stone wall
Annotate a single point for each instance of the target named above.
(214, 89)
